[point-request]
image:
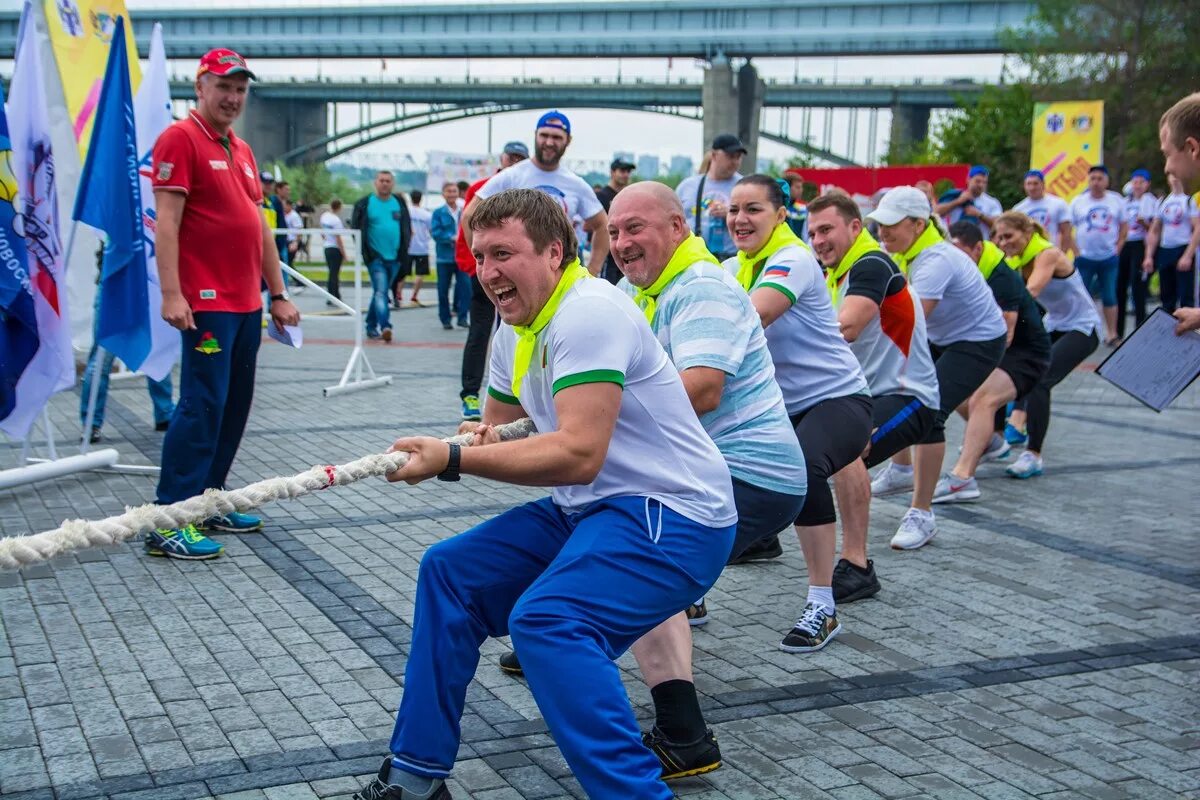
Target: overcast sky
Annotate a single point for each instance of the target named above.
(599, 133)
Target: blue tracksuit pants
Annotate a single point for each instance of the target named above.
(216, 385)
(574, 592)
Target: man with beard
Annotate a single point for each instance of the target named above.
(544, 172)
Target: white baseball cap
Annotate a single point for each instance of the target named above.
(901, 202)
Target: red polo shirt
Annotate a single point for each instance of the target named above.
(221, 235)
(462, 253)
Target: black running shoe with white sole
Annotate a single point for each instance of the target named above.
(816, 626)
(380, 789)
(851, 582)
(683, 759)
(511, 664)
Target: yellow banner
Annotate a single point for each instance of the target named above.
(80, 33)
(1068, 138)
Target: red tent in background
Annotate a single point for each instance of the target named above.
(866, 181)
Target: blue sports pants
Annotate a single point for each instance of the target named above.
(216, 385)
(574, 592)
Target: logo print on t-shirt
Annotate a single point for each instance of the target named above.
(1099, 219)
(164, 170)
(557, 194)
(1172, 214)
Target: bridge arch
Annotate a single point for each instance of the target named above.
(346, 141)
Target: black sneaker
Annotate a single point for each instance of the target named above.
(682, 760)
(511, 664)
(816, 626)
(697, 614)
(95, 437)
(851, 582)
(763, 550)
(380, 789)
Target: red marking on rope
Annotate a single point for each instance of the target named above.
(331, 474)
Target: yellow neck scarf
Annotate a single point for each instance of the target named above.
(928, 238)
(689, 251)
(991, 258)
(860, 247)
(527, 335)
(1037, 244)
(750, 264)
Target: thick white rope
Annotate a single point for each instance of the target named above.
(77, 534)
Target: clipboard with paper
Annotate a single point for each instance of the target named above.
(1154, 365)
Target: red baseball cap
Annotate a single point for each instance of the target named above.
(222, 61)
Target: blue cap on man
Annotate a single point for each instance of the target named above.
(1142, 173)
(978, 169)
(1036, 173)
(555, 119)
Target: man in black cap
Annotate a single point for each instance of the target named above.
(705, 196)
(618, 178)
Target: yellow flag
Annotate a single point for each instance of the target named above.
(80, 33)
(1068, 139)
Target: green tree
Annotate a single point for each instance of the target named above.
(316, 184)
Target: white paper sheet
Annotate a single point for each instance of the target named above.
(291, 335)
(1154, 365)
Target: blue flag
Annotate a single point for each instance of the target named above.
(18, 319)
(110, 200)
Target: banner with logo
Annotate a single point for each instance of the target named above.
(80, 34)
(1068, 138)
(454, 167)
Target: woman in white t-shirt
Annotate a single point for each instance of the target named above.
(335, 251)
(1171, 247)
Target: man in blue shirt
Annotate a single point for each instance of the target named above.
(386, 231)
(443, 229)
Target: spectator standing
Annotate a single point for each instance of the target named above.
(1048, 210)
(335, 249)
(293, 222)
(386, 231)
(1099, 218)
(973, 202)
(1171, 246)
(705, 197)
(483, 313)
(417, 262)
(1140, 207)
(443, 229)
(619, 172)
(214, 251)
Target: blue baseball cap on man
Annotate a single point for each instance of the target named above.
(1036, 173)
(554, 119)
(978, 169)
(1142, 173)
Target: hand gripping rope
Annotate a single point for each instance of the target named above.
(77, 534)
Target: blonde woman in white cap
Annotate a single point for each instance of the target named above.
(966, 334)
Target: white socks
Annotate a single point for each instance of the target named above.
(822, 596)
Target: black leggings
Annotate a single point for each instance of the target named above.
(1130, 274)
(333, 258)
(832, 433)
(962, 367)
(1068, 351)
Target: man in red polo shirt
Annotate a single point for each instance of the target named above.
(214, 248)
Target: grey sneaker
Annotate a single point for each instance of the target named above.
(380, 789)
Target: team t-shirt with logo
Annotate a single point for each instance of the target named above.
(658, 447)
(697, 199)
(1050, 212)
(572, 192)
(1178, 213)
(812, 360)
(1097, 224)
(703, 318)
(1137, 209)
(966, 310)
(221, 232)
(892, 347)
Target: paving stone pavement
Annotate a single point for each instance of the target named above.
(1046, 644)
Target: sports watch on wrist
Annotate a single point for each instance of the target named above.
(450, 473)
(281, 296)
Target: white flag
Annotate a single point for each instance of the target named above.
(53, 366)
(152, 115)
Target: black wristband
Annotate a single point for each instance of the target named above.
(450, 473)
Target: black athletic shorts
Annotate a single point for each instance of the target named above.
(962, 367)
(414, 265)
(899, 421)
(832, 434)
(1024, 368)
(762, 513)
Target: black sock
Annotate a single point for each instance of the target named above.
(677, 710)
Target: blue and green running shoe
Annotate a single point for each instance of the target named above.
(1014, 435)
(186, 543)
(233, 522)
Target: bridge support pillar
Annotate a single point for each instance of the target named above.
(274, 126)
(733, 104)
(910, 124)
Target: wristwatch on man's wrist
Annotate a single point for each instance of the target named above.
(281, 296)
(450, 473)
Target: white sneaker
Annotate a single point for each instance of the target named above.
(997, 450)
(1027, 465)
(953, 489)
(916, 529)
(890, 480)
